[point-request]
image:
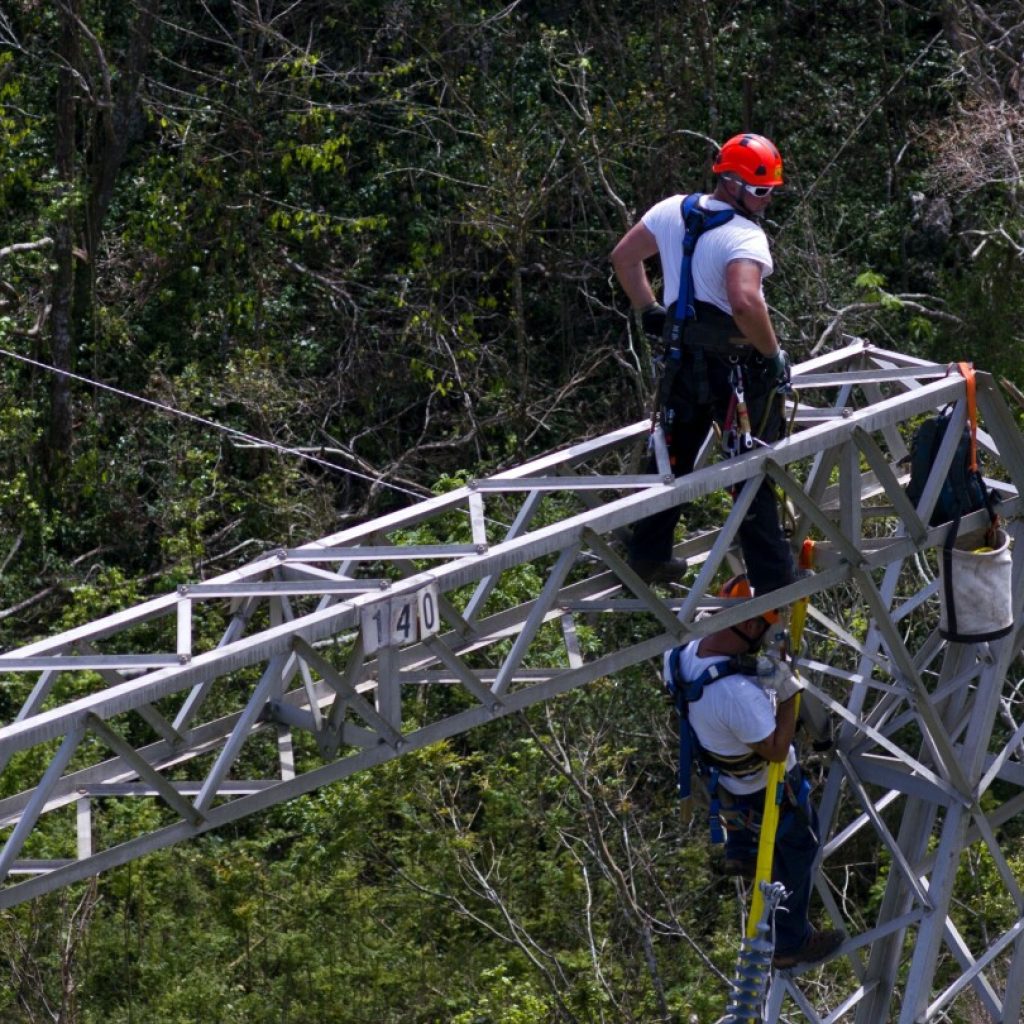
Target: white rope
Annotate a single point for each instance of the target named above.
(202, 420)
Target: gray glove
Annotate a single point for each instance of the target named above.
(776, 675)
(779, 368)
(652, 320)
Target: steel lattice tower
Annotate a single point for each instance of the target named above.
(325, 642)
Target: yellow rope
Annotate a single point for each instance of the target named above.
(777, 769)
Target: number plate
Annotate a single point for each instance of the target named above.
(400, 620)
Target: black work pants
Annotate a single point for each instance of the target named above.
(701, 393)
(796, 850)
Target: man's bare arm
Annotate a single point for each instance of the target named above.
(776, 746)
(743, 287)
(635, 246)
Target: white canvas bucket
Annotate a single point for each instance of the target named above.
(975, 588)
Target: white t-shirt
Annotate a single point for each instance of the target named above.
(732, 713)
(739, 238)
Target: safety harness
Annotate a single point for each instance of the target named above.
(696, 220)
(737, 435)
(710, 333)
(703, 329)
(693, 756)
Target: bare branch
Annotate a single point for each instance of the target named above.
(12, 552)
(903, 302)
(10, 250)
(7, 36)
(42, 595)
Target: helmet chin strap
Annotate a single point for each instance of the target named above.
(752, 644)
(739, 200)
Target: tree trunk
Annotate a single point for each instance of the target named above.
(111, 126)
(55, 456)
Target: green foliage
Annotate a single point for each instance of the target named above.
(989, 300)
(506, 1001)
(871, 282)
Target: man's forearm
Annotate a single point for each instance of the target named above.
(633, 279)
(635, 246)
(757, 328)
(749, 310)
(785, 721)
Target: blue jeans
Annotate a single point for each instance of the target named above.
(701, 392)
(796, 850)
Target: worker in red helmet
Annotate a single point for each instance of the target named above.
(718, 337)
(741, 718)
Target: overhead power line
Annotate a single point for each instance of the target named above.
(212, 424)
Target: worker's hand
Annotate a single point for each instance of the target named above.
(788, 683)
(779, 368)
(652, 320)
(775, 674)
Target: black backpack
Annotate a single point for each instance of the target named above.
(964, 489)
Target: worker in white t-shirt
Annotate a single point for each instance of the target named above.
(741, 721)
(728, 342)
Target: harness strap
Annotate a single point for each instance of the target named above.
(967, 372)
(738, 766)
(696, 220)
(686, 691)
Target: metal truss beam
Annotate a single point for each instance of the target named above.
(234, 694)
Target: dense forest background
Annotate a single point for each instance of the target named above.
(303, 262)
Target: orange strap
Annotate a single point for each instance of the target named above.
(967, 371)
(807, 554)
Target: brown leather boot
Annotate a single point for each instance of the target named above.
(817, 946)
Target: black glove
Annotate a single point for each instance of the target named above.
(652, 320)
(779, 368)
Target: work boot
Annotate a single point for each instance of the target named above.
(650, 570)
(819, 945)
(743, 868)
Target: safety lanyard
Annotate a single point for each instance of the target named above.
(967, 372)
(737, 436)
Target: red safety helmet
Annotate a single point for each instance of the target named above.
(739, 587)
(752, 158)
